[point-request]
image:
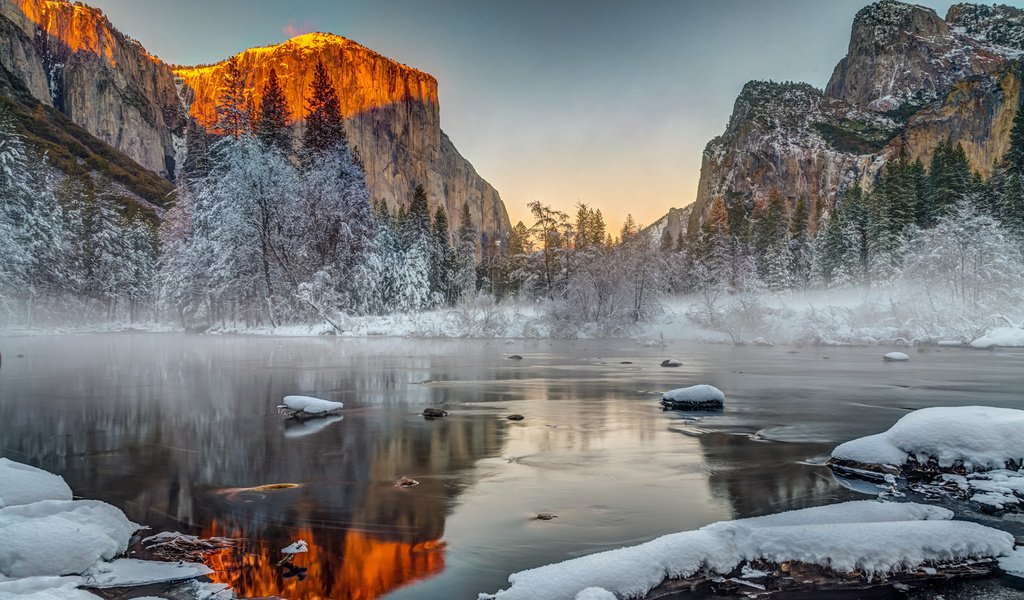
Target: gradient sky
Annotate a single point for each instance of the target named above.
(605, 102)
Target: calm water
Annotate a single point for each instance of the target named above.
(173, 428)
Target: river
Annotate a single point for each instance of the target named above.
(173, 429)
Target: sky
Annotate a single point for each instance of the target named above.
(609, 103)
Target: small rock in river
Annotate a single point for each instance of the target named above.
(515, 417)
(406, 482)
(546, 516)
(434, 413)
(515, 357)
(671, 362)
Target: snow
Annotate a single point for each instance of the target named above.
(869, 536)
(1013, 563)
(60, 537)
(24, 484)
(311, 405)
(44, 588)
(979, 436)
(896, 357)
(130, 572)
(695, 395)
(1004, 337)
(595, 593)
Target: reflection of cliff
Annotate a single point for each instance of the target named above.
(772, 480)
(160, 426)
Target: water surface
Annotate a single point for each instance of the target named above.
(175, 429)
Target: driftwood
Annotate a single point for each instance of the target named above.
(801, 580)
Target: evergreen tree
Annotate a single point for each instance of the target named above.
(771, 242)
(232, 102)
(466, 251)
(800, 243)
(442, 261)
(197, 153)
(949, 181)
(1012, 206)
(272, 126)
(325, 130)
(629, 229)
(1013, 160)
(418, 217)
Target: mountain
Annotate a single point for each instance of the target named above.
(69, 58)
(910, 79)
(392, 118)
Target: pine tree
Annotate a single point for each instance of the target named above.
(418, 217)
(800, 243)
(325, 130)
(629, 229)
(1012, 206)
(465, 264)
(442, 258)
(272, 126)
(949, 181)
(771, 242)
(232, 103)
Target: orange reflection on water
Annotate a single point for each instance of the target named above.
(342, 565)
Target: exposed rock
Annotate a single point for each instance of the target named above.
(515, 417)
(392, 118)
(546, 516)
(434, 413)
(515, 357)
(671, 362)
(101, 79)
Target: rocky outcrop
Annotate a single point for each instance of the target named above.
(903, 53)
(105, 82)
(909, 81)
(391, 115)
(670, 226)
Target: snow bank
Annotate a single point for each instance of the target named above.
(1014, 563)
(896, 357)
(1005, 337)
(980, 437)
(595, 593)
(24, 484)
(695, 396)
(44, 588)
(130, 572)
(60, 537)
(311, 405)
(869, 536)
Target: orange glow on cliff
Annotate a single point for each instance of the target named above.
(341, 564)
(364, 79)
(80, 28)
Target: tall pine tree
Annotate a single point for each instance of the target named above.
(272, 126)
(232, 103)
(324, 127)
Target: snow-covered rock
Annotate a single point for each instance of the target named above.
(24, 484)
(896, 357)
(1014, 563)
(978, 437)
(696, 396)
(1001, 337)
(871, 537)
(671, 362)
(311, 406)
(130, 572)
(44, 588)
(60, 537)
(595, 593)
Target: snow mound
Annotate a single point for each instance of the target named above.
(869, 536)
(131, 572)
(60, 537)
(24, 484)
(44, 588)
(1001, 337)
(311, 405)
(896, 357)
(595, 593)
(696, 396)
(1014, 563)
(980, 437)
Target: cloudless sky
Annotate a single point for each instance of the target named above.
(605, 102)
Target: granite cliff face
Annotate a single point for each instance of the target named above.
(71, 58)
(910, 80)
(391, 116)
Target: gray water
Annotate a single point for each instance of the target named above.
(174, 428)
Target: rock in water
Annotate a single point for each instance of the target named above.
(515, 357)
(308, 407)
(434, 413)
(696, 397)
(546, 516)
(896, 357)
(671, 362)
(515, 417)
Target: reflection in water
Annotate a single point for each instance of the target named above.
(182, 433)
(339, 564)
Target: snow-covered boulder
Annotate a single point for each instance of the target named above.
(44, 588)
(858, 539)
(60, 537)
(695, 397)
(976, 437)
(1001, 337)
(896, 357)
(24, 484)
(309, 407)
(671, 362)
(131, 572)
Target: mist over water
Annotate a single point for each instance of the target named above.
(176, 430)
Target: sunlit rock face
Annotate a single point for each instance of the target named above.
(910, 80)
(71, 58)
(391, 112)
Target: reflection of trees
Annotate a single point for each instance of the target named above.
(158, 425)
(758, 478)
